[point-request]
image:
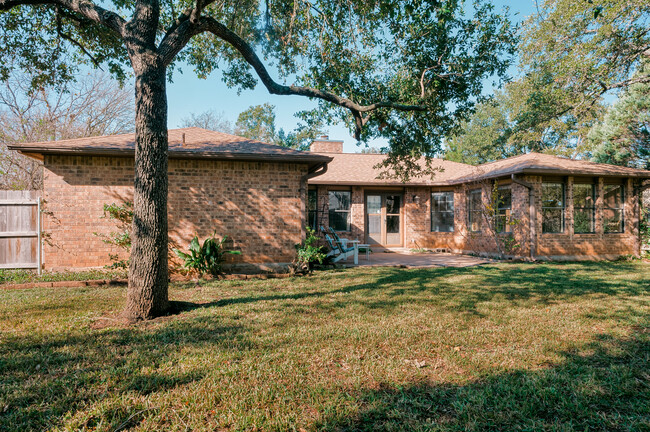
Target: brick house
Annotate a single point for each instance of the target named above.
(262, 196)
(251, 191)
(547, 208)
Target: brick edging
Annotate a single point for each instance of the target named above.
(121, 282)
(66, 284)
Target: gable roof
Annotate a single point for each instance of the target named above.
(358, 169)
(185, 143)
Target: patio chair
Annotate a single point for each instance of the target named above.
(339, 251)
(334, 250)
(343, 241)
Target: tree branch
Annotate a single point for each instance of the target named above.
(178, 37)
(59, 30)
(85, 8)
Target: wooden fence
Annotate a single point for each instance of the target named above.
(20, 230)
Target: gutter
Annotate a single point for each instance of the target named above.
(532, 214)
(317, 170)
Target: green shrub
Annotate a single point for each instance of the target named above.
(206, 258)
(123, 214)
(309, 253)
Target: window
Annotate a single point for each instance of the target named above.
(442, 212)
(502, 209)
(613, 205)
(552, 207)
(474, 210)
(584, 208)
(339, 213)
(312, 209)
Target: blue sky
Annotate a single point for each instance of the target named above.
(188, 94)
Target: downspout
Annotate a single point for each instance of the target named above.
(642, 186)
(317, 170)
(532, 214)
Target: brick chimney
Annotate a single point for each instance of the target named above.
(323, 144)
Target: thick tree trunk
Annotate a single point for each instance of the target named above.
(148, 273)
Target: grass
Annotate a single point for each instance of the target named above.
(503, 347)
(27, 276)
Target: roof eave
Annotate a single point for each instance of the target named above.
(311, 160)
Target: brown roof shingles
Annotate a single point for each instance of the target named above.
(343, 168)
(198, 143)
(358, 169)
(544, 164)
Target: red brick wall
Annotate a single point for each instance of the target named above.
(417, 223)
(260, 206)
(597, 244)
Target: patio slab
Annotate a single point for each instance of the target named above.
(417, 260)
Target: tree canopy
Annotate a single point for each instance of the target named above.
(623, 137)
(571, 55)
(408, 71)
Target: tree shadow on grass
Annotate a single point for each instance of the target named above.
(462, 289)
(607, 389)
(46, 377)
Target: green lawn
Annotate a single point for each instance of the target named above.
(501, 347)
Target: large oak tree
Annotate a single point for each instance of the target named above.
(406, 70)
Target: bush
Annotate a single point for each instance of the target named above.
(308, 253)
(123, 214)
(206, 258)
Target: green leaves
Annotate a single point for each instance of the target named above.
(208, 257)
(416, 68)
(588, 48)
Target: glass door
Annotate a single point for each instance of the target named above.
(393, 231)
(374, 219)
(383, 219)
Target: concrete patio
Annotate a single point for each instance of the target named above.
(406, 259)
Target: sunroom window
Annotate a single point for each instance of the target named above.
(613, 208)
(584, 208)
(552, 207)
(503, 208)
(474, 199)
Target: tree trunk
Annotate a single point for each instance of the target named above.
(148, 273)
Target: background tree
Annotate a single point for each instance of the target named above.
(574, 52)
(370, 150)
(257, 122)
(623, 137)
(480, 138)
(94, 105)
(505, 126)
(211, 120)
(408, 71)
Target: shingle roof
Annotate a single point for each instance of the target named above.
(358, 169)
(199, 143)
(544, 164)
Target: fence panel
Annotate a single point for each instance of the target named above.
(20, 228)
